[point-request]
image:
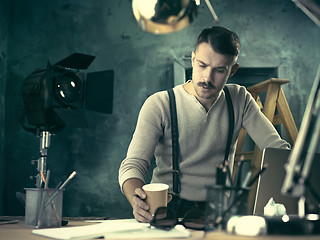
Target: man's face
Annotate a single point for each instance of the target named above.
(210, 72)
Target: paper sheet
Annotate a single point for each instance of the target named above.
(148, 233)
(112, 229)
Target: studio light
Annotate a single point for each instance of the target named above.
(166, 16)
(59, 94)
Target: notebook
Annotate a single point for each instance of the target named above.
(270, 182)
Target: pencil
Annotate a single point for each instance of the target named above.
(61, 187)
(257, 175)
(229, 173)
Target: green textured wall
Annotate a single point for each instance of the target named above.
(273, 33)
(4, 19)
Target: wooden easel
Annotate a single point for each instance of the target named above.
(275, 99)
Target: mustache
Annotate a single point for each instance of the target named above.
(206, 84)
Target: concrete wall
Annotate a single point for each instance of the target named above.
(4, 20)
(273, 33)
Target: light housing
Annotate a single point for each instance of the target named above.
(167, 16)
(161, 17)
(59, 94)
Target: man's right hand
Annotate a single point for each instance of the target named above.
(140, 207)
(132, 189)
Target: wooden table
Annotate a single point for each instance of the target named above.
(18, 231)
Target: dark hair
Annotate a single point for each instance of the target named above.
(221, 39)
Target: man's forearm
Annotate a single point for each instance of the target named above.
(129, 188)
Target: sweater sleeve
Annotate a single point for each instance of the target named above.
(145, 138)
(258, 126)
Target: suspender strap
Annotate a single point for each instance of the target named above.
(231, 123)
(175, 136)
(175, 143)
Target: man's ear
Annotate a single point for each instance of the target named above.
(193, 56)
(234, 69)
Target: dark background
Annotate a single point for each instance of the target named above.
(274, 34)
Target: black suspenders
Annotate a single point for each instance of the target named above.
(231, 123)
(175, 137)
(175, 143)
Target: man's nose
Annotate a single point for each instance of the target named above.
(209, 74)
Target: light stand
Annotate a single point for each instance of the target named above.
(45, 140)
(300, 160)
(302, 155)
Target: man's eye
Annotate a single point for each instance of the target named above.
(220, 70)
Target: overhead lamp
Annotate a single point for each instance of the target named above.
(166, 16)
(311, 8)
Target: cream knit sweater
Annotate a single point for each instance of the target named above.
(202, 138)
